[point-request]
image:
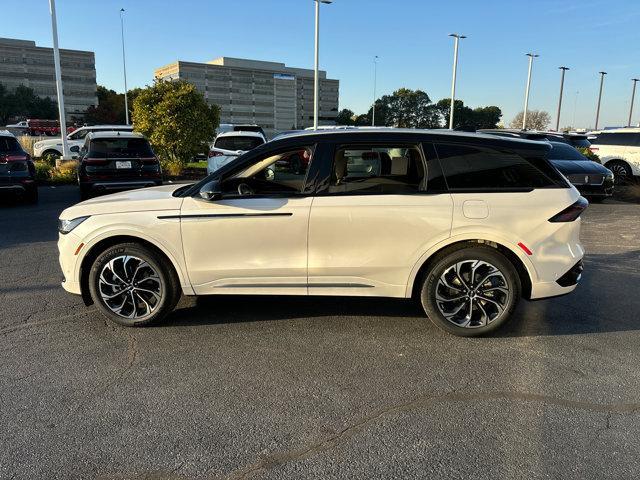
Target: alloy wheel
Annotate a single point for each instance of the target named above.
(130, 287)
(472, 294)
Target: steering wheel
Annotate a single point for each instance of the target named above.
(244, 189)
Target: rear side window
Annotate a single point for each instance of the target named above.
(617, 139)
(9, 144)
(120, 148)
(238, 143)
(363, 169)
(561, 151)
(484, 169)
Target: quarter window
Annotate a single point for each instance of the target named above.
(377, 170)
(480, 168)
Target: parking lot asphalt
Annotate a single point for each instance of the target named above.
(282, 387)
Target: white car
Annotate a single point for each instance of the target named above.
(465, 223)
(230, 145)
(619, 151)
(52, 148)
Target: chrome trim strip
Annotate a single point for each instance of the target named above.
(223, 215)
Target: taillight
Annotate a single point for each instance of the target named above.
(594, 149)
(16, 158)
(572, 212)
(215, 153)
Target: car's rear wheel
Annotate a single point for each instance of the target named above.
(132, 285)
(470, 291)
(621, 170)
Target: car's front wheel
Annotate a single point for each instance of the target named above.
(470, 291)
(621, 170)
(133, 285)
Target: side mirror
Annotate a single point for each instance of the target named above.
(211, 191)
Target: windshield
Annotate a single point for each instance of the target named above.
(9, 144)
(561, 151)
(120, 147)
(238, 143)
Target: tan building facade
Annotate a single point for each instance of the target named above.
(269, 94)
(24, 63)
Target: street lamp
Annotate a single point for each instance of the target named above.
(526, 95)
(457, 38)
(375, 82)
(633, 97)
(56, 63)
(564, 69)
(124, 68)
(316, 79)
(602, 74)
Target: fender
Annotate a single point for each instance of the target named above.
(488, 236)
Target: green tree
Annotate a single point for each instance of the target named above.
(466, 118)
(110, 108)
(345, 117)
(24, 103)
(405, 108)
(176, 118)
(487, 117)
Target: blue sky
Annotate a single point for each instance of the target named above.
(409, 36)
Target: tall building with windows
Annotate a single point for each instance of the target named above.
(269, 94)
(24, 63)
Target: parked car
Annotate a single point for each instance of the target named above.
(466, 223)
(36, 127)
(230, 127)
(229, 146)
(52, 148)
(619, 151)
(17, 171)
(576, 140)
(590, 178)
(112, 161)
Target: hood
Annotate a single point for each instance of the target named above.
(141, 200)
(578, 166)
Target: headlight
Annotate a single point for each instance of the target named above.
(65, 226)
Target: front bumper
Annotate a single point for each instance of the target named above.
(68, 245)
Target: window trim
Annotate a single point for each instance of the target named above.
(333, 147)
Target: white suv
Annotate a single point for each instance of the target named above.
(52, 148)
(466, 223)
(230, 145)
(619, 151)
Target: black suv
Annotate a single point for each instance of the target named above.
(111, 161)
(17, 171)
(576, 140)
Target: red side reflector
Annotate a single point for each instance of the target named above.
(572, 212)
(79, 248)
(525, 249)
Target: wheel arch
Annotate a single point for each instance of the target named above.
(423, 267)
(101, 245)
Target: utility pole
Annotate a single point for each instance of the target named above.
(56, 63)
(456, 42)
(526, 94)
(602, 74)
(375, 81)
(316, 79)
(563, 69)
(633, 97)
(124, 69)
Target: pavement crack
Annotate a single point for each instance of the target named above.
(268, 462)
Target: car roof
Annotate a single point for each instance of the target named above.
(616, 130)
(6, 133)
(241, 133)
(113, 134)
(105, 127)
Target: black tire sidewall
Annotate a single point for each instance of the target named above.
(168, 287)
(485, 253)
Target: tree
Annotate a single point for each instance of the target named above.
(176, 118)
(487, 117)
(466, 118)
(110, 108)
(345, 117)
(536, 120)
(24, 103)
(405, 108)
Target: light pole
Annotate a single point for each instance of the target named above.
(56, 62)
(457, 38)
(563, 69)
(526, 94)
(602, 74)
(316, 79)
(124, 69)
(633, 97)
(375, 82)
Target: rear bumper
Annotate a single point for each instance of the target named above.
(566, 283)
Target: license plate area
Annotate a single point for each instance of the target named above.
(123, 164)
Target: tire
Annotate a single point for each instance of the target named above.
(489, 312)
(621, 170)
(140, 274)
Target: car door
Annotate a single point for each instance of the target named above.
(253, 239)
(384, 206)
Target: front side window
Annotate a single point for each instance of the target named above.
(361, 169)
(282, 173)
(479, 168)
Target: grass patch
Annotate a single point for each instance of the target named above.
(202, 164)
